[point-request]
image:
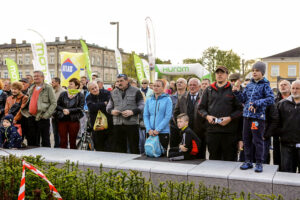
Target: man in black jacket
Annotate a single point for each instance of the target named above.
(289, 119)
(222, 111)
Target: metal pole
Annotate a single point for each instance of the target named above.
(118, 35)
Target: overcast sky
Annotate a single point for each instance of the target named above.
(183, 29)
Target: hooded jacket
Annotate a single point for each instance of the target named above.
(259, 94)
(9, 137)
(157, 113)
(220, 102)
(289, 119)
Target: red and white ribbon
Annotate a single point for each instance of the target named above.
(40, 174)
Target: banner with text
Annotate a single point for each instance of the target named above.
(183, 69)
(151, 46)
(87, 59)
(146, 69)
(12, 70)
(119, 61)
(40, 57)
(139, 67)
(71, 63)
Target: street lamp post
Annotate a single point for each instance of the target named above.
(116, 23)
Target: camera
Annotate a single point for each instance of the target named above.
(218, 120)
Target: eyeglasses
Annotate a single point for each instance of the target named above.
(121, 75)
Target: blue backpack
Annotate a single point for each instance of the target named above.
(153, 148)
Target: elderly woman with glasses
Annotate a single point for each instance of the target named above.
(145, 88)
(98, 100)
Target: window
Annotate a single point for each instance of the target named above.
(112, 62)
(106, 77)
(20, 75)
(98, 60)
(20, 59)
(4, 57)
(27, 72)
(5, 74)
(274, 70)
(292, 70)
(52, 74)
(93, 60)
(27, 59)
(52, 59)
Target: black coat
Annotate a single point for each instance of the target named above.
(96, 103)
(3, 98)
(220, 102)
(289, 120)
(74, 105)
(191, 141)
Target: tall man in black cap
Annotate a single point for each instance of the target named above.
(222, 111)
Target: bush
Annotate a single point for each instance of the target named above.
(73, 183)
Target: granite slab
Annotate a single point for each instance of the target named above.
(212, 173)
(287, 185)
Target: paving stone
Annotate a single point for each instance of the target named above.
(287, 184)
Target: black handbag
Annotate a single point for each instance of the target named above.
(14, 109)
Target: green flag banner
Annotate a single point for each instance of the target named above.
(12, 70)
(139, 67)
(87, 59)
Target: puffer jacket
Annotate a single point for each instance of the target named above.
(74, 105)
(157, 113)
(259, 94)
(3, 97)
(10, 138)
(289, 120)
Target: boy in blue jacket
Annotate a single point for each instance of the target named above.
(9, 137)
(255, 97)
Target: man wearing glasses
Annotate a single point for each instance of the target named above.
(125, 104)
(145, 89)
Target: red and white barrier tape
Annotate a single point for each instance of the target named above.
(40, 174)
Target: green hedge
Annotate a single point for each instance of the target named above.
(73, 183)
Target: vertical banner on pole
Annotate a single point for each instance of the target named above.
(87, 59)
(12, 70)
(146, 69)
(139, 67)
(151, 49)
(40, 58)
(119, 61)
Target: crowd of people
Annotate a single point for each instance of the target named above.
(232, 119)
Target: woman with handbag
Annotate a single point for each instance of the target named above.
(14, 104)
(97, 101)
(69, 110)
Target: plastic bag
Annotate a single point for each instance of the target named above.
(100, 122)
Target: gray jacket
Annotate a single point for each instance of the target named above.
(129, 99)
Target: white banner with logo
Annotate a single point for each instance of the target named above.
(40, 58)
(119, 61)
(183, 69)
(146, 69)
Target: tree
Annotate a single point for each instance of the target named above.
(246, 67)
(129, 68)
(213, 57)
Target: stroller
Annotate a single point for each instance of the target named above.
(86, 141)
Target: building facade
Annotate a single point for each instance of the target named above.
(102, 59)
(285, 65)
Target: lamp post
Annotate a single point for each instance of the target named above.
(116, 23)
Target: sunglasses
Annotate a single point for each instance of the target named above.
(144, 83)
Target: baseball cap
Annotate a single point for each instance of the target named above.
(25, 80)
(222, 68)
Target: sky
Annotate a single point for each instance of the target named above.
(183, 29)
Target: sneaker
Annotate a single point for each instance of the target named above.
(246, 165)
(258, 167)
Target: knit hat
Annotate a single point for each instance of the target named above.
(260, 66)
(9, 118)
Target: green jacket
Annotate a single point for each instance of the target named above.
(46, 103)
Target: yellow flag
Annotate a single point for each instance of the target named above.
(71, 63)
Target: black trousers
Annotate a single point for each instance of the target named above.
(290, 158)
(276, 151)
(222, 146)
(24, 126)
(55, 132)
(124, 133)
(38, 129)
(102, 140)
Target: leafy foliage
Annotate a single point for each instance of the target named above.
(73, 183)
